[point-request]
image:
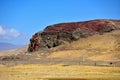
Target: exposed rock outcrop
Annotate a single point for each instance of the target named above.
(62, 33)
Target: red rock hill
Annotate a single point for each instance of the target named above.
(57, 34)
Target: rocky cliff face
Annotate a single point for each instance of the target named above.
(57, 34)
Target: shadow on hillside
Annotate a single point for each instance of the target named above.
(66, 79)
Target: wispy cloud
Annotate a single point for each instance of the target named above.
(8, 33)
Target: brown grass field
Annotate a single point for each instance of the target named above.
(58, 72)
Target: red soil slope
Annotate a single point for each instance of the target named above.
(92, 26)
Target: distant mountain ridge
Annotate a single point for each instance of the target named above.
(8, 46)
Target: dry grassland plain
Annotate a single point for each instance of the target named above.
(58, 72)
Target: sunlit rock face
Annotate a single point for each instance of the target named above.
(57, 34)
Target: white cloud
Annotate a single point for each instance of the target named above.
(2, 32)
(8, 33)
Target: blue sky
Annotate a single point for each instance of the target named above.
(20, 19)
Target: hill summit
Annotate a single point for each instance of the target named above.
(62, 33)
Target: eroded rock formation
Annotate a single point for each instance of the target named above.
(61, 33)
